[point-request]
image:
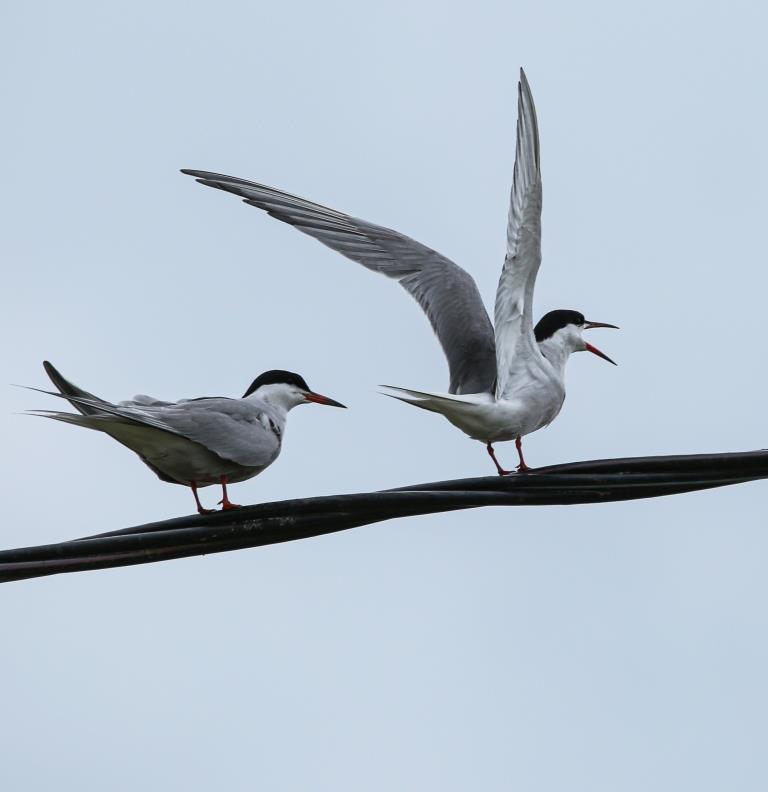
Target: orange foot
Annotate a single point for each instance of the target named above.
(225, 505)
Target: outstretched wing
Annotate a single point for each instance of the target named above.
(516, 348)
(447, 293)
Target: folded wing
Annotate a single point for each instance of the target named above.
(446, 292)
(230, 428)
(234, 429)
(88, 404)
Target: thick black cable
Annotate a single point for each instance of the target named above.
(598, 481)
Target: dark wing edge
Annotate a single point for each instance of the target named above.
(446, 293)
(67, 388)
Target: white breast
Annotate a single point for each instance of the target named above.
(533, 404)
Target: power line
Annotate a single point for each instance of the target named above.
(598, 481)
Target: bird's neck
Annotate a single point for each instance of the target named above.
(556, 354)
(280, 398)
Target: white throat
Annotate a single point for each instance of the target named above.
(559, 346)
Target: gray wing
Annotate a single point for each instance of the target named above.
(230, 428)
(516, 347)
(142, 400)
(69, 389)
(89, 408)
(447, 293)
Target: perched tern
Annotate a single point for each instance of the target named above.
(506, 379)
(195, 442)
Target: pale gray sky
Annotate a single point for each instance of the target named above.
(585, 648)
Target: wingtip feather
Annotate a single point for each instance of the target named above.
(198, 174)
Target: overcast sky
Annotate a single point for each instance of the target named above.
(613, 647)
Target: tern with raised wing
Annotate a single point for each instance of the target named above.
(506, 379)
(195, 442)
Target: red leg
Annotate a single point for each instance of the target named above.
(522, 467)
(200, 509)
(499, 468)
(225, 502)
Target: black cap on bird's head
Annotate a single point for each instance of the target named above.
(550, 323)
(277, 377)
(553, 321)
(282, 377)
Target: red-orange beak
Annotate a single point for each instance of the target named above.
(318, 398)
(595, 351)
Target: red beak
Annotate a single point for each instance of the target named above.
(596, 351)
(318, 398)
